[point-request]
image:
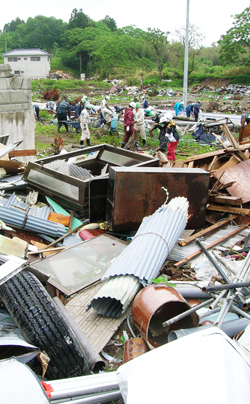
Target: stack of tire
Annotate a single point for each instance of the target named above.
(42, 325)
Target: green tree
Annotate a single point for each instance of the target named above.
(40, 32)
(78, 19)
(110, 22)
(12, 26)
(195, 39)
(236, 42)
(158, 41)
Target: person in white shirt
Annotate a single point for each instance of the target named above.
(84, 120)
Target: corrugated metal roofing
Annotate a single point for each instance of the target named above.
(152, 243)
(17, 202)
(179, 253)
(69, 169)
(26, 52)
(115, 295)
(142, 259)
(19, 218)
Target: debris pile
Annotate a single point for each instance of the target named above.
(120, 255)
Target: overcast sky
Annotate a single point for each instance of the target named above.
(213, 17)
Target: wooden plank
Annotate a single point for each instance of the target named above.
(230, 137)
(207, 231)
(17, 153)
(226, 199)
(194, 255)
(191, 164)
(219, 140)
(217, 153)
(230, 163)
(229, 209)
(213, 163)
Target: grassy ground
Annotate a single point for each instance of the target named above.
(46, 132)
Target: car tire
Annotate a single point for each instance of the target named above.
(42, 325)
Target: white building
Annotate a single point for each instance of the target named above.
(33, 63)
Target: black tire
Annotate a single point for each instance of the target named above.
(42, 325)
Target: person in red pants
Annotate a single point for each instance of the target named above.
(173, 139)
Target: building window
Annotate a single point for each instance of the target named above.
(12, 59)
(19, 58)
(17, 71)
(25, 58)
(35, 58)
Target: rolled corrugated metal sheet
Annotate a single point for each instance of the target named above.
(152, 243)
(18, 218)
(143, 258)
(115, 295)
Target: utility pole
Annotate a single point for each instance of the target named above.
(5, 45)
(185, 79)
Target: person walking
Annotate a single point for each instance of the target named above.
(84, 120)
(139, 124)
(62, 111)
(173, 138)
(128, 123)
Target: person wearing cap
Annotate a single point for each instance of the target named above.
(196, 110)
(84, 119)
(128, 123)
(79, 107)
(107, 114)
(163, 140)
(178, 106)
(139, 124)
(173, 138)
(145, 104)
(104, 103)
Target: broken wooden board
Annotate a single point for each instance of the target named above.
(240, 175)
(225, 200)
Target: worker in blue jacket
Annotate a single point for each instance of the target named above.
(178, 106)
(62, 111)
(189, 109)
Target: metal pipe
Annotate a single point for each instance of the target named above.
(209, 313)
(240, 312)
(215, 288)
(225, 308)
(93, 399)
(186, 313)
(217, 300)
(84, 385)
(231, 328)
(209, 256)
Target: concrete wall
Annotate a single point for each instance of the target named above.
(27, 68)
(16, 114)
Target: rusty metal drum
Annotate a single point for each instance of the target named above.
(132, 348)
(155, 304)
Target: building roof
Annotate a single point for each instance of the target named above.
(26, 52)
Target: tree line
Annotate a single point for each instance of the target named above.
(84, 45)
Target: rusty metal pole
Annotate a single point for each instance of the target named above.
(186, 313)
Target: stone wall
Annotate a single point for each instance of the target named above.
(16, 114)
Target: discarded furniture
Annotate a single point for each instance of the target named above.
(73, 192)
(135, 192)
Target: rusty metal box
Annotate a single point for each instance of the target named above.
(136, 192)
